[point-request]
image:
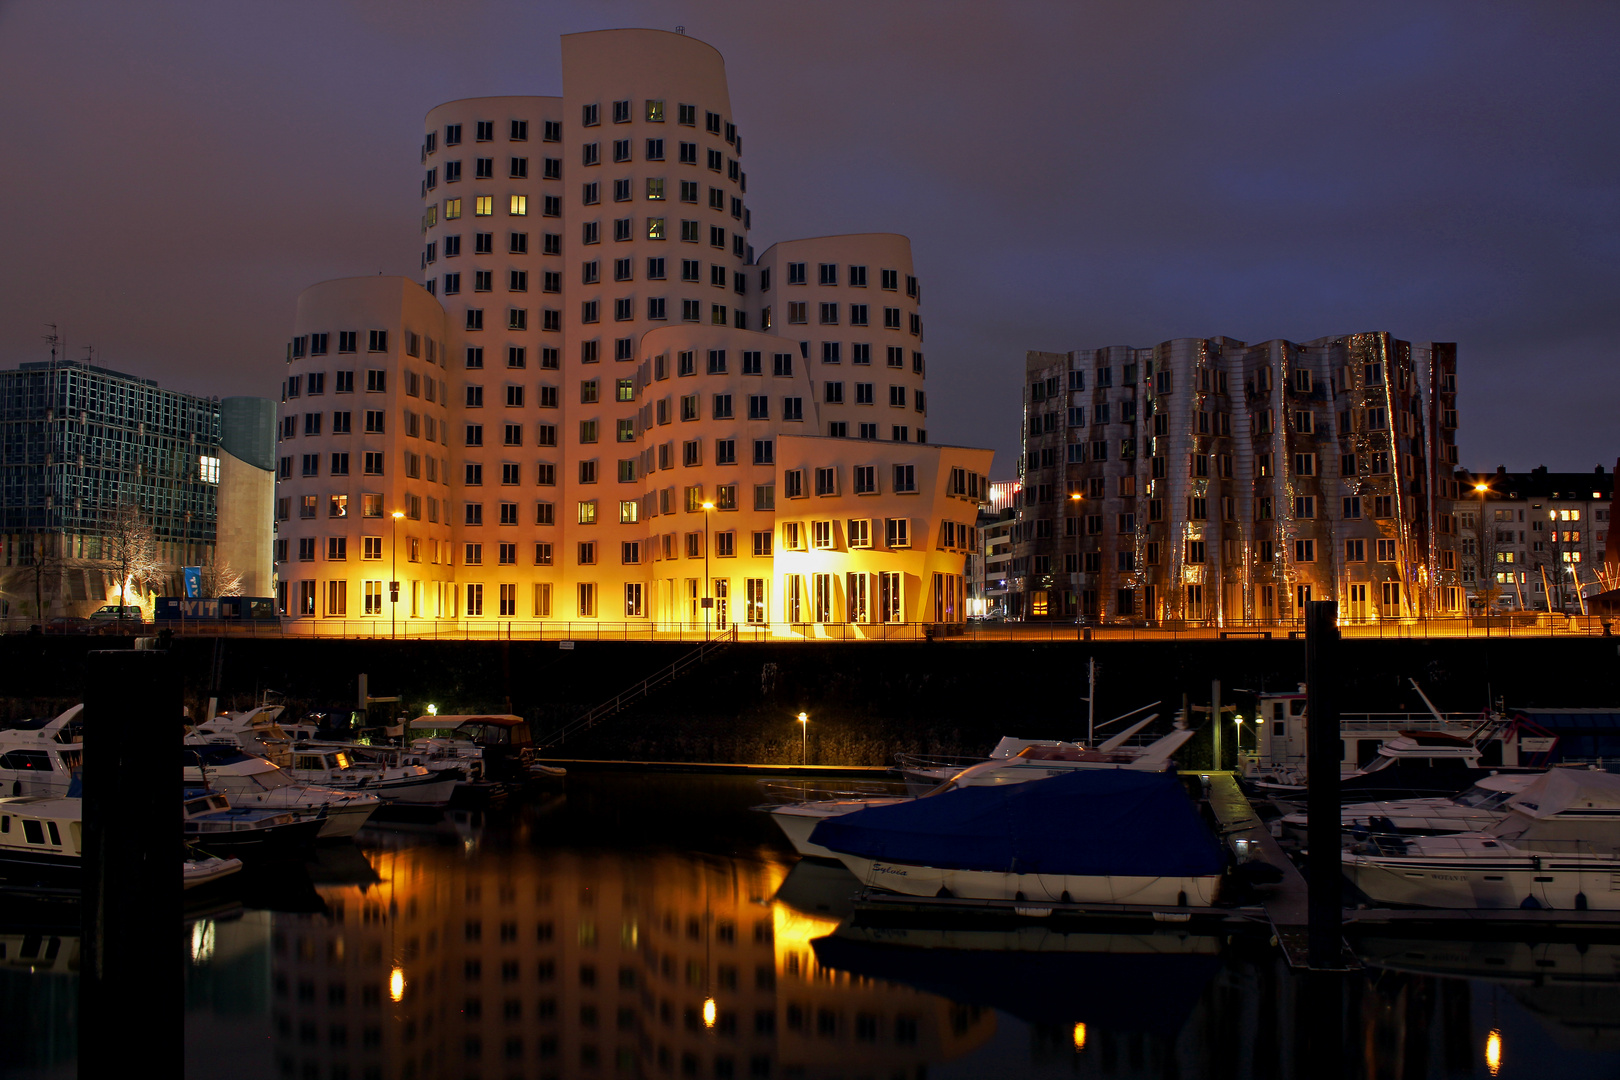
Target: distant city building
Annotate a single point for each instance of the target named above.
(598, 404)
(987, 573)
(1214, 482)
(1542, 545)
(78, 443)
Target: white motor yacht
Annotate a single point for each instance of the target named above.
(1030, 759)
(39, 757)
(1558, 847)
(334, 767)
(254, 731)
(41, 841)
(1472, 810)
(254, 781)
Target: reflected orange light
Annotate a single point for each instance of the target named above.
(396, 984)
(1079, 1037)
(708, 1012)
(1493, 1051)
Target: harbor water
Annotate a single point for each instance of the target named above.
(627, 925)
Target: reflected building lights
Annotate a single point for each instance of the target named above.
(1079, 1037)
(1493, 1051)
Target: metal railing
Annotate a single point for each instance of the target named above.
(499, 629)
(626, 698)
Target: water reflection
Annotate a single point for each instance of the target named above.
(652, 927)
(464, 962)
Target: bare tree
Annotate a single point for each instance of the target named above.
(132, 551)
(220, 578)
(41, 562)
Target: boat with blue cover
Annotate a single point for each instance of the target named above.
(1112, 836)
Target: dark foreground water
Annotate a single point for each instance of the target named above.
(647, 926)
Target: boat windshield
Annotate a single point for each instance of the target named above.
(197, 806)
(271, 779)
(1482, 798)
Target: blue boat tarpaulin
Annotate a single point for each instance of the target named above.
(1083, 823)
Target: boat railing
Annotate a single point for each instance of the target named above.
(787, 792)
(1398, 844)
(937, 761)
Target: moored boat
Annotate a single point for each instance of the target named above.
(1558, 847)
(254, 781)
(41, 841)
(1088, 836)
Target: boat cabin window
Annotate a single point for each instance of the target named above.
(520, 735)
(1276, 710)
(338, 760)
(33, 831)
(218, 802)
(1480, 798)
(310, 761)
(30, 760)
(197, 806)
(56, 837)
(1296, 707)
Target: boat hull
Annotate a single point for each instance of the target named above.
(910, 879)
(39, 874)
(1562, 883)
(798, 821)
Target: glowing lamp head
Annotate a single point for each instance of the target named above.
(399, 514)
(709, 1012)
(1079, 1037)
(433, 710)
(1076, 497)
(804, 718)
(396, 984)
(1481, 488)
(708, 506)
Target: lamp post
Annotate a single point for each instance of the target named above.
(1076, 499)
(708, 597)
(804, 738)
(1479, 556)
(393, 579)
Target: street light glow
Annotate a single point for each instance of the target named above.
(1079, 1037)
(1493, 1051)
(399, 513)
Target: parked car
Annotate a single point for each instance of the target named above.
(68, 624)
(118, 611)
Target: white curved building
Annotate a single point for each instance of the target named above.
(599, 405)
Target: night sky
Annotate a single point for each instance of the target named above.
(1071, 175)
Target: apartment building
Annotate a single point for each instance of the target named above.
(1208, 481)
(80, 444)
(1543, 541)
(598, 403)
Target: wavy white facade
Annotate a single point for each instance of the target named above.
(599, 404)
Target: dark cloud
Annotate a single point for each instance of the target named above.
(1071, 175)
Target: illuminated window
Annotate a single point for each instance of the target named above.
(208, 471)
(483, 205)
(452, 210)
(519, 206)
(587, 512)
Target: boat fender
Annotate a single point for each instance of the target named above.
(944, 893)
(1181, 898)
(1580, 901)
(1530, 903)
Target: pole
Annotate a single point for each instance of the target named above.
(708, 600)
(393, 584)
(1091, 703)
(1322, 756)
(1215, 721)
(129, 982)
(1075, 517)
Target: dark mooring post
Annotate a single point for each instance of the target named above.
(131, 989)
(1322, 756)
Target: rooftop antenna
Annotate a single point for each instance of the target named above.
(54, 339)
(680, 30)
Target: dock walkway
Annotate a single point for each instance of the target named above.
(1287, 903)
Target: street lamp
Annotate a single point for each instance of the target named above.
(393, 583)
(708, 597)
(1076, 498)
(1479, 556)
(804, 738)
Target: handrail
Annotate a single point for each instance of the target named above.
(640, 690)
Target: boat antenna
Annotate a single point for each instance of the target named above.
(1434, 712)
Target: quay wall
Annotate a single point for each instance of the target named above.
(865, 701)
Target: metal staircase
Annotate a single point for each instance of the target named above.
(645, 687)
